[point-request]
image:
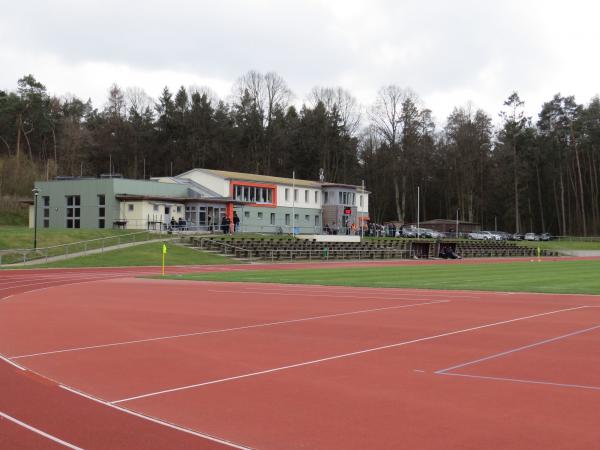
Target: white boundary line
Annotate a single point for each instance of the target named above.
(518, 349)
(517, 380)
(340, 356)
(38, 431)
(310, 294)
(155, 420)
(51, 286)
(245, 327)
(7, 360)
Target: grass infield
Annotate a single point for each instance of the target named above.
(564, 277)
(141, 255)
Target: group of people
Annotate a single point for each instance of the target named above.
(447, 252)
(379, 230)
(225, 226)
(350, 228)
(226, 223)
(180, 224)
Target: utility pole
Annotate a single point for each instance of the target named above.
(457, 210)
(418, 210)
(293, 202)
(36, 192)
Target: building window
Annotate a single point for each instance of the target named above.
(306, 196)
(73, 211)
(179, 209)
(325, 197)
(316, 221)
(317, 197)
(260, 215)
(130, 207)
(360, 199)
(295, 195)
(155, 208)
(46, 211)
(272, 218)
(101, 211)
(287, 195)
(296, 217)
(347, 198)
(167, 210)
(287, 219)
(307, 217)
(247, 214)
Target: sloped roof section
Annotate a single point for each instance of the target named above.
(262, 178)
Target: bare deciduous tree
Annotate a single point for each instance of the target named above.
(342, 102)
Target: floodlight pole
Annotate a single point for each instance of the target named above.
(418, 210)
(293, 202)
(36, 192)
(361, 217)
(457, 210)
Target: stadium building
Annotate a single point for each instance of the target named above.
(199, 200)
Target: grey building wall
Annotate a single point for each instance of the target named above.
(258, 219)
(89, 190)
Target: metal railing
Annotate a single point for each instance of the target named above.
(326, 254)
(323, 253)
(13, 256)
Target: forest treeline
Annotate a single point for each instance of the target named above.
(527, 174)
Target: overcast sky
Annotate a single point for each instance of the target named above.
(448, 52)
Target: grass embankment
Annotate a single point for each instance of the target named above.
(12, 219)
(546, 276)
(22, 237)
(142, 255)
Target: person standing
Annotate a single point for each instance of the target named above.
(236, 222)
(224, 224)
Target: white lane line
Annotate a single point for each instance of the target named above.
(349, 290)
(157, 421)
(518, 380)
(225, 330)
(7, 360)
(357, 290)
(309, 294)
(518, 349)
(344, 355)
(59, 281)
(51, 286)
(38, 431)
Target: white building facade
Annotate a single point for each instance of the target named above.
(203, 200)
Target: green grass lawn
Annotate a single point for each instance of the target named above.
(142, 255)
(563, 245)
(22, 237)
(551, 277)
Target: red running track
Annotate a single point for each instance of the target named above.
(273, 366)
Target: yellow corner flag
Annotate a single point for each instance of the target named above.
(164, 252)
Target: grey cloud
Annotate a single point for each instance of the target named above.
(435, 47)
